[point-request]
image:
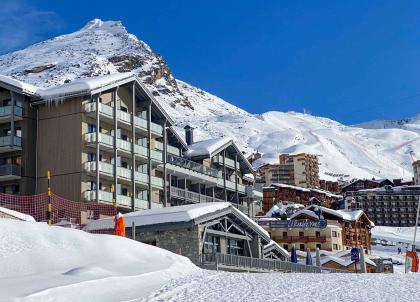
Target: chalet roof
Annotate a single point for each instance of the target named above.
(170, 216)
(211, 147)
(18, 86)
(340, 214)
(327, 193)
(275, 246)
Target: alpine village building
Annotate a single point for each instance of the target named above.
(106, 139)
(344, 230)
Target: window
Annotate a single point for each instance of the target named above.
(235, 247)
(284, 234)
(318, 245)
(124, 191)
(334, 233)
(286, 247)
(302, 247)
(301, 234)
(211, 244)
(124, 164)
(91, 128)
(335, 246)
(317, 234)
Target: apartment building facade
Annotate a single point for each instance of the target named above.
(416, 171)
(293, 169)
(106, 139)
(287, 194)
(387, 206)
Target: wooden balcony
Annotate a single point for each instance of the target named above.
(305, 239)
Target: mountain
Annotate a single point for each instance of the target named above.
(106, 47)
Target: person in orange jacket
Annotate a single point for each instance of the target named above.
(119, 228)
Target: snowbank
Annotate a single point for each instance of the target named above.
(17, 215)
(39, 263)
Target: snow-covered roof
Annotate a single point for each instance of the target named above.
(343, 261)
(340, 214)
(327, 193)
(25, 88)
(304, 212)
(177, 214)
(84, 86)
(274, 245)
(207, 148)
(18, 215)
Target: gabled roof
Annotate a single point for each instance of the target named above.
(211, 147)
(275, 246)
(171, 216)
(18, 86)
(340, 214)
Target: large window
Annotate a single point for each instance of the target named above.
(235, 247)
(211, 244)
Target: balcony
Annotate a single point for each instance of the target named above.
(6, 113)
(191, 165)
(122, 200)
(107, 113)
(228, 162)
(304, 239)
(230, 185)
(192, 197)
(10, 172)
(106, 143)
(10, 143)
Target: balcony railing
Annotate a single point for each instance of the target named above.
(192, 196)
(304, 239)
(228, 162)
(188, 164)
(14, 141)
(125, 117)
(10, 170)
(6, 111)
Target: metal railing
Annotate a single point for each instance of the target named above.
(9, 169)
(191, 165)
(7, 111)
(192, 196)
(224, 261)
(10, 141)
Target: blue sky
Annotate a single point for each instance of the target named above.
(348, 60)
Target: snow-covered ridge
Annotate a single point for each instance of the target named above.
(106, 47)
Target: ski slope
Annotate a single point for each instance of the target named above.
(374, 149)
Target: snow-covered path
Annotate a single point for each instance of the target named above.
(222, 286)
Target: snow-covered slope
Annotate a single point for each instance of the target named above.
(43, 263)
(106, 47)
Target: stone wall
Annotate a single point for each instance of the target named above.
(185, 242)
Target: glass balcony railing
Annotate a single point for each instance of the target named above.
(10, 170)
(15, 141)
(188, 164)
(6, 111)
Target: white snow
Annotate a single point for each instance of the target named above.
(43, 263)
(347, 151)
(207, 147)
(18, 215)
(183, 213)
(83, 86)
(26, 88)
